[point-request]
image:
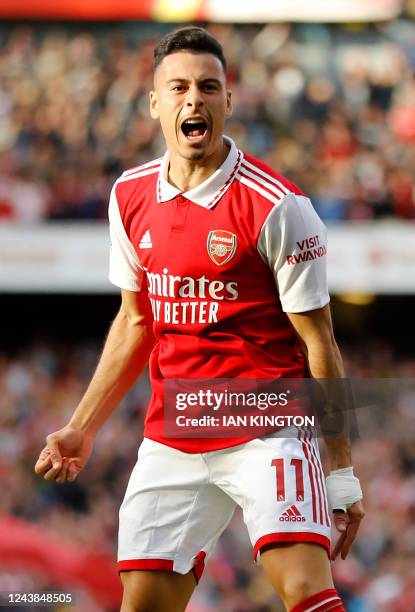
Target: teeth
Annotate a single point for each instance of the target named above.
(193, 121)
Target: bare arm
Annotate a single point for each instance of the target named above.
(125, 354)
(314, 330)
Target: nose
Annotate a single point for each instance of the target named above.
(194, 97)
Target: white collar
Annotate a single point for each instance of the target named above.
(208, 193)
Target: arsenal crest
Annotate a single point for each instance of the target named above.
(221, 246)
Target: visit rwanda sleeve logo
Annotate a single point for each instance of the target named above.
(221, 246)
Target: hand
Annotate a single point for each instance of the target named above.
(347, 523)
(65, 454)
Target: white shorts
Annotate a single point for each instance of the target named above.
(177, 504)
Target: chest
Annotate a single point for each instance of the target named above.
(189, 240)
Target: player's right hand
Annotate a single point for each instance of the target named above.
(65, 454)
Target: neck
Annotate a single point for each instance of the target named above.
(186, 174)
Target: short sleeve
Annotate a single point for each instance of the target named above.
(293, 242)
(126, 271)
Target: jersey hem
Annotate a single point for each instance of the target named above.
(202, 449)
(307, 307)
(122, 285)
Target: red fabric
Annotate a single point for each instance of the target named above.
(319, 476)
(311, 476)
(199, 565)
(279, 469)
(239, 344)
(335, 605)
(299, 480)
(27, 547)
(145, 564)
(292, 537)
(162, 564)
(261, 165)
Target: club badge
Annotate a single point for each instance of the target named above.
(221, 246)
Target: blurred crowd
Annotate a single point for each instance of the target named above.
(330, 107)
(39, 390)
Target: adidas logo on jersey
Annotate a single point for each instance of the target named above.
(292, 515)
(145, 242)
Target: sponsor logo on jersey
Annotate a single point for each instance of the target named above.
(145, 242)
(221, 246)
(292, 515)
(190, 291)
(308, 249)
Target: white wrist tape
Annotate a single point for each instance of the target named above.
(343, 489)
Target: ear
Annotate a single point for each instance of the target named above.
(154, 108)
(229, 106)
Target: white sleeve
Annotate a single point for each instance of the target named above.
(125, 268)
(293, 242)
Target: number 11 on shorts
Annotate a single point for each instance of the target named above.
(297, 464)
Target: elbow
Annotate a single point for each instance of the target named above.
(140, 328)
(138, 323)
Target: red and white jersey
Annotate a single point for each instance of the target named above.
(223, 263)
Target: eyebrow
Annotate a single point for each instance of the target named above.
(183, 80)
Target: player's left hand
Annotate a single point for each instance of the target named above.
(345, 500)
(347, 524)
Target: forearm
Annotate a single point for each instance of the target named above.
(125, 355)
(325, 363)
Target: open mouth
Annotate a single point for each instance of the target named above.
(194, 128)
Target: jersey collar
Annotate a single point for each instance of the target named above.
(208, 193)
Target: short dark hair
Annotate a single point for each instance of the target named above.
(188, 38)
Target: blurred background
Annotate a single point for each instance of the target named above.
(326, 95)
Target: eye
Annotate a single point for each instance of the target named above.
(210, 87)
(178, 88)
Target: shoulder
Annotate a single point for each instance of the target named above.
(135, 183)
(264, 181)
(131, 188)
(139, 172)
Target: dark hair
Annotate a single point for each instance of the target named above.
(189, 38)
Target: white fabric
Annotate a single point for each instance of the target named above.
(207, 192)
(177, 504)
(125, 268)
(282, 243)
(343, 489)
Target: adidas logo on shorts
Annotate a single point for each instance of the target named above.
(292, 515)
